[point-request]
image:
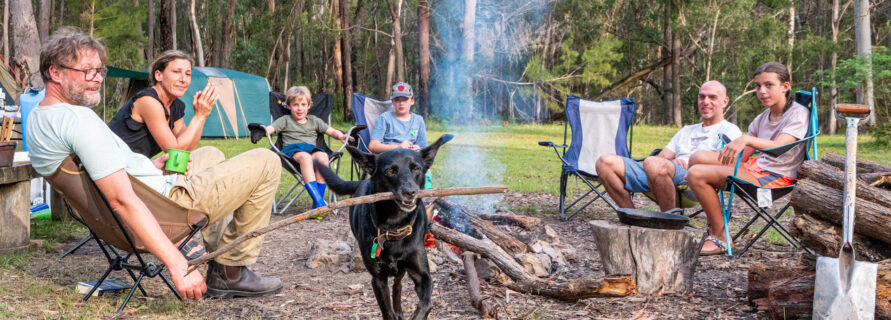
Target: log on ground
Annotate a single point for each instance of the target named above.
(863, 166)
(824, 202)
(453, 212)
(824, 238)
(568, 290)
(656, 259)
(833, 177)
(527, 223)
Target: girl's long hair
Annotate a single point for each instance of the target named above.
(782, 74)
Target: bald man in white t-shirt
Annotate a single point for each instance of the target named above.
(660, 174)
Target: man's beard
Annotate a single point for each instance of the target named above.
(77, 95)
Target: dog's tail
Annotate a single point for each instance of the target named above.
(338, 185)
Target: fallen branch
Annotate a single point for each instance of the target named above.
(337, 205)
(527, 223)
(570, 290)
(499, 236)
(483, 306)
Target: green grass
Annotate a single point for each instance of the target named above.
(510, 155)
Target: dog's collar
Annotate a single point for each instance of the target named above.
(384, 235)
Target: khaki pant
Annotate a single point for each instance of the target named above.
(244, 186)
(203, 158)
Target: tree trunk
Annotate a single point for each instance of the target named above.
(338, 49)
(396, 13)
(424, 56)
(667, 80)
(287, 79)
(168, 25)
(347, 57)
(711, 46)
(863, 39)
(92, 15)
(656, 259)
(356, 37)
(229, 41)
(196, 35)
(833, 92)
(791, 35)
(150, 48)
(467, 50)
(676, 81)
(25, 42)
(43, 19)
(6, 29)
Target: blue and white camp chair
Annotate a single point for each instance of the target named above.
(366, 110)
(748, 192)
(598, 128)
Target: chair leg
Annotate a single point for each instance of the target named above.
(130, 294)
(98, 283)
(170, 285)
(79, 244)
(563, 176)
(133, 276)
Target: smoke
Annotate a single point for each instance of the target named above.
(505, 32)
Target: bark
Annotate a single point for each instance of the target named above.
(424, 57)
(825, 238)
(527, 223)
(483, 306)
(356, 37)
(761, 276)
(338, 53)
(833, 177)
(657, 260)
(396, 13)
(25, 42)
(92, 15)
(676, 80)
(347, 57)
(667, 80)
(467, 50)
(457, 215)
(791, 35)
(863, 40)
(863, 166)
(642, 73)
(338, 205)
(833, 91)
(150, 48)
(872, 219)
(567, 290)
(168, 25)
(196, 35)
(229, 39)
(43, 19)
(6, 29)
(711, 46)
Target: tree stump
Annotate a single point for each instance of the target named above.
(656, 259)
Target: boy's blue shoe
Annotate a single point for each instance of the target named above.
(318, 200)
(322, 187)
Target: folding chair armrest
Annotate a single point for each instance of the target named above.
(555, 146)
(353, 133)
(779, 150)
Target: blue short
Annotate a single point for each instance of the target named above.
(636, 178)
(291, 149)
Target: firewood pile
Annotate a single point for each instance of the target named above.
(786, 292)
(512, 251)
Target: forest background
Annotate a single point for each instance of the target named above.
(480, 62)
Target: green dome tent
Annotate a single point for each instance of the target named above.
(244, 98)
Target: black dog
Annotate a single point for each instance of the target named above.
(391, 233)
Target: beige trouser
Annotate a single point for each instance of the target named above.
(203, 158)
(244, 186)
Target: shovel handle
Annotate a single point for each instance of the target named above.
(852, 108)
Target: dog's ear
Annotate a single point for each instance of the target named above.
(429, 153)
(366, 161)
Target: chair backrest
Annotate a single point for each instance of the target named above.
(809, 100)
(74, 184)
(321, 108)
(598, 128)
(366, 110)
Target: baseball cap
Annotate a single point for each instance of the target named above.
(401, 89)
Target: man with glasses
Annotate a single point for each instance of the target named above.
(72, 66)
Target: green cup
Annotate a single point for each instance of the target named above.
(178, 160)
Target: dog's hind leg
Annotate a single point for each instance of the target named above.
(424, 288)
(382, 294)
(397, 293)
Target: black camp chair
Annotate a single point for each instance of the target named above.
(748, 192)
(321, 108)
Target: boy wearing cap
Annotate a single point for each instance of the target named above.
(399, 128)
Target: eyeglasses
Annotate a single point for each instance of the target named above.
(90, 74)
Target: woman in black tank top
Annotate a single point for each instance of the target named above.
(152, 120)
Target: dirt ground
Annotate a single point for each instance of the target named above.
(720, 290)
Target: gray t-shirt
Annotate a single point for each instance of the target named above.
(390, 130)
(58, 130)
(793, 122)
(293, 132)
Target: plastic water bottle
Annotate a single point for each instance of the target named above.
(27, 102)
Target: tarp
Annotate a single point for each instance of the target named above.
(244, 98)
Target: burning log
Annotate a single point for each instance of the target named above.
(527, 223)
(455, 215)
(569, 290)
(483, 306)
(656, 259)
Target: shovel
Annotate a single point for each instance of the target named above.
(846, 288)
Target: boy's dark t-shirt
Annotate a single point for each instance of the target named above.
(293, 132)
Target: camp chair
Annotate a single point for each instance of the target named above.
(73, 183)
(598, 128)
(684, 198)
(748, 192)
(366, 110)
(322, 109)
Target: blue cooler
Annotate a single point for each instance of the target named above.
(27, 102)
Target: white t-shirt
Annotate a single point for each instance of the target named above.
(695, 137)
(58, 130)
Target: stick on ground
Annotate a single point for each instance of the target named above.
(337, 205)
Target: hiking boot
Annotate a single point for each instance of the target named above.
(230, 282)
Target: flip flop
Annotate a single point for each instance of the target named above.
(722, 247)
